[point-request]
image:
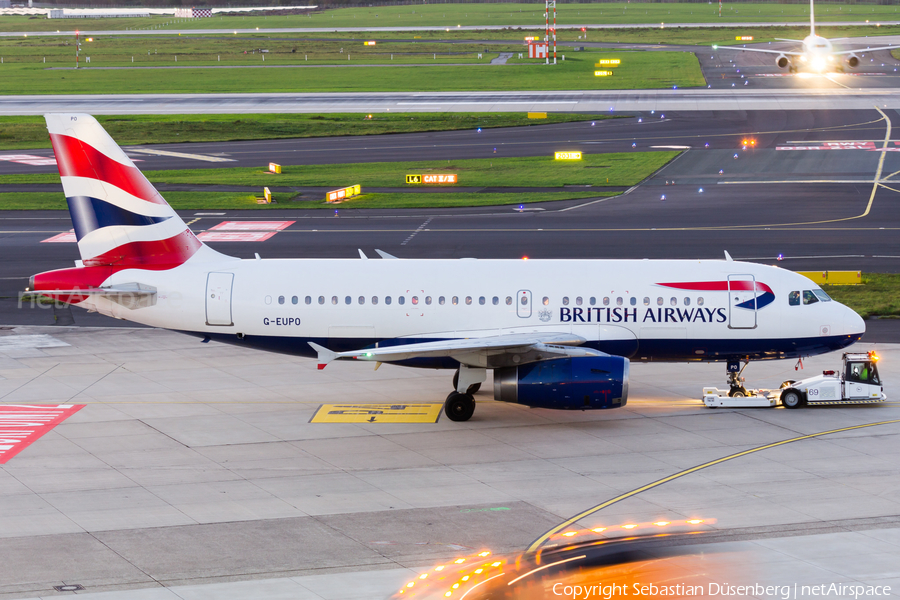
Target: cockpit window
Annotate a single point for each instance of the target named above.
(809, 297)
(794, 298)
(821, 295)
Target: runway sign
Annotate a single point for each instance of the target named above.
(603, 73)
(608, 62)
(235, 236)
(274, 168)
(449, 178)
(567, 156)
(252, 226)
(378, 413)
(368, 43)
(343, 193)
(22, 424)
(66, 237)
(744, 38)
(413, 179)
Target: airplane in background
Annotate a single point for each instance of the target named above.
(556, 333)
(817, 54)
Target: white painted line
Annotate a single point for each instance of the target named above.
(202, 157)
(67, 237)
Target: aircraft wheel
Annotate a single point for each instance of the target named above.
(459, 407)
(791, 398)
(471, 390)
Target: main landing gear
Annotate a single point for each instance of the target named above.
(460, 404)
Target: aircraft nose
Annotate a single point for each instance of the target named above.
(853, 323)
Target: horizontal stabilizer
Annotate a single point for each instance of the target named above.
(130, 295)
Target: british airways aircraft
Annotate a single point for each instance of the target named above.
(555, 333)
(817, 54)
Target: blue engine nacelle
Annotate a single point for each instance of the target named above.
(581, 383)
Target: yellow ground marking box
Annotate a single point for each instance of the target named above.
(377, 413)
(834, 277)
(537, 115)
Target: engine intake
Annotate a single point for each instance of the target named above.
(782, 61)
(583, 383)
(853, 60)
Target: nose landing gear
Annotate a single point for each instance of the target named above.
(736, 387)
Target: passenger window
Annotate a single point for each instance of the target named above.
(427, 299)
(546, 300)
(387, 300)
(593, 301)
(606, 301)
(524, 300)
(659, 301)
(794, 298)
(687, 301)
(334, 299)
(441, 300)
(401, 300)
(414, 300)
(294, 299)
(374, 299)
(495, 300)
(455, 300)
(565, 300)
(633, 301)
(481, 300)
(578, 300)
(619, 301)
(268, 299)
(468, 299)
(362, 300)
(308, 299)
(321, 299)
(809, 297)
(700, 301)
(347, 299)
(509, 300)
(646, 301)
(673, 301)
(280, 299)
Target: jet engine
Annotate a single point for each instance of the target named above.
(782, 61)
(853, 60)
(581, 383)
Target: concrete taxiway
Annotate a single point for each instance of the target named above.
(193, 471)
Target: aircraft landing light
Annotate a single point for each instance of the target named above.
(377, 413)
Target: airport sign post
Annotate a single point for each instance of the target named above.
(567, 156)
(744, 38)
(603, 73)
(440, 178)
(413, 179)
(274, 168)
(608, 62)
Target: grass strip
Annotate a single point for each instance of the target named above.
(31, 132)
(243, 201)
(613, 169)
(451, 15)
(639, 70)
(877, 296)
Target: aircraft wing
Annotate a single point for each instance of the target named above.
(491, 351)
(861, 50)
(785, 52)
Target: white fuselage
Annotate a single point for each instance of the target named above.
(618, 306)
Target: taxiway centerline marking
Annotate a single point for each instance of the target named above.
(536, 544)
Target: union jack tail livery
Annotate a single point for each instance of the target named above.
(120, 219)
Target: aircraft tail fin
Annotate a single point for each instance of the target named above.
(812, 18)
(120, 219)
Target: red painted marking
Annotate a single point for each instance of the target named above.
(252, 226)
(78, 159)
(21, 424)
(67, 237)
(235, 236)
(28, 159)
